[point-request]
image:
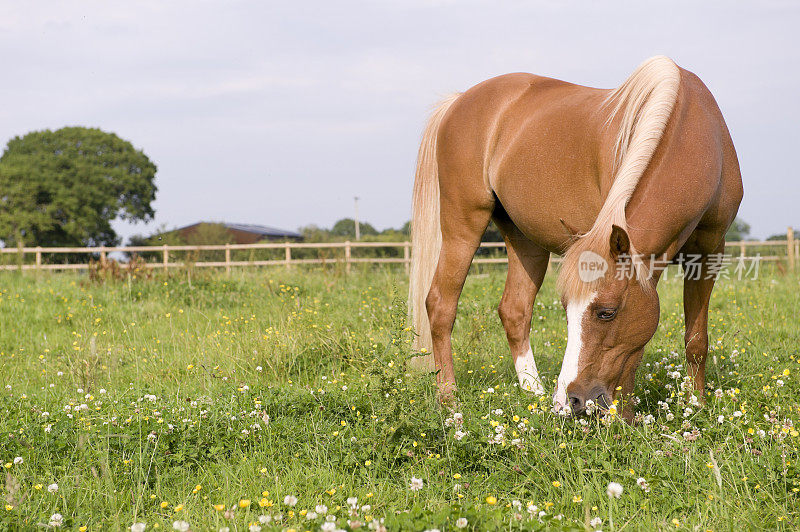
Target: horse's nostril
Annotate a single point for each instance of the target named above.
(576, 404)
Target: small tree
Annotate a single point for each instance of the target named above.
(346, 227)
(65, 187)
(739, 230)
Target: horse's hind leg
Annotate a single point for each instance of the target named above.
(527, 265)
(462, 229)
(697, 287)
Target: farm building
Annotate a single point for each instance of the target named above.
(239, 233)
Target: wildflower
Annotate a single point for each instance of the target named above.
(264, 519)
(180, 526)
(138, 527)
(416, 484)
(328, 526)
(244, 503)
(556, 484)
(311, 516)
(56, 520)
(352, 502)
(321, 509)
(18, 460)
(491, 500)
(614, 490)
(459, 435)
(596, 522)
(290, 500)
(642, 483)
(461, 522)
(52, 488)
(254, 528)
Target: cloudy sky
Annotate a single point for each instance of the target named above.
(278, 113)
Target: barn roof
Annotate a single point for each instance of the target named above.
(261, 230)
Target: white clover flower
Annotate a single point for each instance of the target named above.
(254, 528)
(459, 435)
(18, 460)
(498, 412)
(416, 484)
(180, 526)
(225, 529)
(259, 368)
(311, 516)
(290, 500)
(52, 488)
(321, 509)
(461, 522)
(138, 527)
(328, 526)
(264, 519)
(721, 419)
(352, 502)
(614, 490)
(56, 520)
(642, 483)
(596, 522)
(458, 417)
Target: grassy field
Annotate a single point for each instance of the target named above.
(279, 400)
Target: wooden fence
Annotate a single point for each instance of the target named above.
(784, 250)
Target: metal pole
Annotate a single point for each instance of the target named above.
(790, 246)
(358, 229)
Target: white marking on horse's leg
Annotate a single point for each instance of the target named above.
(527, 373)
(569, 367)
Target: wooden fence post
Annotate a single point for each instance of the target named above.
(166, 257)
(38, 258)
(103, 257)
(742, 249)
(347, 256)
(288, 256)
(790, 247)
(227, 259)
(406, 253)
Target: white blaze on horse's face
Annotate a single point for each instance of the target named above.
(576, 312)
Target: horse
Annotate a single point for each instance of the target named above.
(641, 175)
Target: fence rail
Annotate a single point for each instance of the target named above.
(785, 250)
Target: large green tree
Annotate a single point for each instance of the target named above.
(65, 187)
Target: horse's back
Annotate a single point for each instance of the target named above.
(532, 142)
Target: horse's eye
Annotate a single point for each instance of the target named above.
(606, 314)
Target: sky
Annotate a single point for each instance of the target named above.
(279, 113)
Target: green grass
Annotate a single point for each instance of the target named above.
(158, 392)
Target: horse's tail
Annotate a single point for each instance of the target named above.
(426, 235)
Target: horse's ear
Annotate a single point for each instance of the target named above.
(619, 242)
(573, 233)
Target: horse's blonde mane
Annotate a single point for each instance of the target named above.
(644, 102)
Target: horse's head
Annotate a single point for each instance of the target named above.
(609, 321)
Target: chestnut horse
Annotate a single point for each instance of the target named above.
(646, 172)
